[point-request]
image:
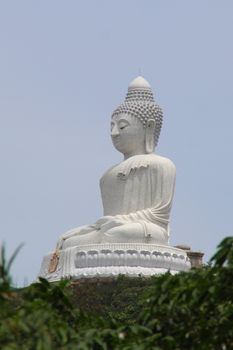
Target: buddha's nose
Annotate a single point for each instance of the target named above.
(115, 131)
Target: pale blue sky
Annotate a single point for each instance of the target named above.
(64, 67)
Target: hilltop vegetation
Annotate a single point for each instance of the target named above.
(191, 310)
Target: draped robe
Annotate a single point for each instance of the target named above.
(140, 189)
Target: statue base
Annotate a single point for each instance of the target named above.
(109, 260)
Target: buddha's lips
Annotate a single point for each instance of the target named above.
(115, 139)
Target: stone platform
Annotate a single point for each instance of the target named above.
(109, 260)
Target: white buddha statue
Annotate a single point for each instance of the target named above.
(132, 236)
(136, 193)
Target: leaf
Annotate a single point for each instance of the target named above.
(13, 256)
(224, 254)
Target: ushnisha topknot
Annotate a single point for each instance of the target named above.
(140, 103)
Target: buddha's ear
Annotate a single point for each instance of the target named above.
(150, 132)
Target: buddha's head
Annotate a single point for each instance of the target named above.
(137, 122)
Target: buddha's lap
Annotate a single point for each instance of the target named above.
(92, 237)
(141, 233)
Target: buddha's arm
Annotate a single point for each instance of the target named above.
(153, 215)
(149, 215)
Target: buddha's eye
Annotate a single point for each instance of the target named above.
(122, 126)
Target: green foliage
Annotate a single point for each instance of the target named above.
(191, 310)
(224, 254)
(5, 266)
(121, 299)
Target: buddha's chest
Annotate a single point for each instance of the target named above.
(112, 192)
(123, 192)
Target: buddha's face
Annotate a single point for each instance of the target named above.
(128, 135)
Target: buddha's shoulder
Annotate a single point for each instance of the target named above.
(156, 160)
(152, 161)
(145, 162)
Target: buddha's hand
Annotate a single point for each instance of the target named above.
(103, 220)
(74, 232)
(107, 222)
